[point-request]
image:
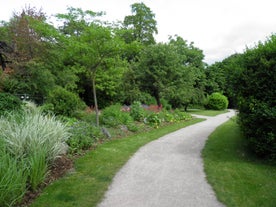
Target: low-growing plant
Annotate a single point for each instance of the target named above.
(83, 136)
(113, 116)
(132, 127)
(181, 115)
(85, 115)
(137, 112)
(153, 120)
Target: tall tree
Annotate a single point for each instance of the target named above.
(91, 44)
(141, 24)
(189, 86)
(157, 68)
(25, 40)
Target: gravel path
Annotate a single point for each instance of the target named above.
(167, 172)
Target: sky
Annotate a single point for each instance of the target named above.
(218, 27)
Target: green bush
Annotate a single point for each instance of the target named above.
(257, 102)
(29, 142)
(165, 104)
(9, 103)
(153, 119)
(64, 102)
(217, 101)
(83, 136)
(113, 116)
(31, 131)
(258, 121)
(137, 112)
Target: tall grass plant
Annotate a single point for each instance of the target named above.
(13, 178)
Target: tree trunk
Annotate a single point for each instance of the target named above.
(186, 107)
(95, 102)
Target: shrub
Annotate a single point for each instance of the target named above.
(64, 102)
(165, 104)
(217, 101)
(257, 102)
(153, 120)
(30, 131)
(9, 102)
(137, 112)
(113, 116)
(257, 120)
(83, 136)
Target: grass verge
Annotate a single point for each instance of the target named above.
(238, 178)
(94, 172)
(206, 112)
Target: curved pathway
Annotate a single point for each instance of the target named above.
(167, 172)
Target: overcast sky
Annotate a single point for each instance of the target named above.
(218, 27)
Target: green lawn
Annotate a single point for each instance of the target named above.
(94, 172)
(238, 178)
(206, 112)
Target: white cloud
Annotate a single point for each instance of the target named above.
(218, 27)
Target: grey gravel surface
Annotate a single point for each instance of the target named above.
(167, 172)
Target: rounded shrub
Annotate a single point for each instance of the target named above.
(217, 101)
(113, 116)
(64, 102)
(9, 102)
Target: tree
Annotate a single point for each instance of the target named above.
(25, 40)
(189, 86)
(91, 44)
(141, 26)
(157, 69)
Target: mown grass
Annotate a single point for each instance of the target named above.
(206, 112)
(94, 172)
(238, 178)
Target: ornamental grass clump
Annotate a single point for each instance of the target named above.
(29, 143)
(30, 131)
(13, 178)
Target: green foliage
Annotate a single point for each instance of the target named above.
(30, 131)
(137, 112)
(153, 120)
(217, 101)
(257, 102)
(165, 104)
(141, 24)
(13, 178)
(113, 116)
(83, 136)
(9, 103)
(157, 69)
(64, 102)
(29, 142)
(37, 168)
(173, 116)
